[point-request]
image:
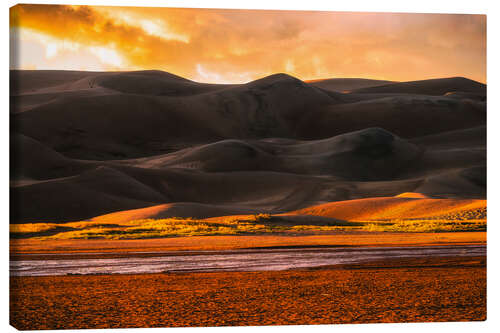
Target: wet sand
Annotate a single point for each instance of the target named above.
(251, 260)
(410, 290)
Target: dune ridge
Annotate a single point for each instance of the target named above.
(429, 87)
(150, 144)
(346, 84)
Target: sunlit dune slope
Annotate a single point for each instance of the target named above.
(409, 212)
(412, 195)
(391, 208)
(178, 210)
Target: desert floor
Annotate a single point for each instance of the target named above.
(397, 290)
(42, 246)
(437, 289)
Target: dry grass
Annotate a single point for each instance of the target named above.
(465, 220)
(31, 227)
(145, 228)
(469, 220)
(426, 226)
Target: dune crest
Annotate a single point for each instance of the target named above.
(412, 195)
(153, 144)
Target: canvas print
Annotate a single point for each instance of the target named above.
(228, 167)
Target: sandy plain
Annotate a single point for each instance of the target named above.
(444, 289)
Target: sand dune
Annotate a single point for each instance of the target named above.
(429, 87)
(109, 189)
(27, 81)
(79, 197)
(154, 83)
(275, 106)
(95, 125)
(391, 208)
(119, 187)
(178, 209)
(407, 116)
(469, 182)
(87, 144)
(479, 96)
(32, 160)
(346, 84)
(26, 102)
(465, 138)
(412, 195)
(367, 154)
(408, 205)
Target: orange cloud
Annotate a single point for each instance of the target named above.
(240, 45)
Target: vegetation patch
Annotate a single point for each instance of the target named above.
(241, 225)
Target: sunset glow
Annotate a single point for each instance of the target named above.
(234, 46)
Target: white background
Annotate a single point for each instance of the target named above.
(421, 6)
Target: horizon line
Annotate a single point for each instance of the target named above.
(312, 80)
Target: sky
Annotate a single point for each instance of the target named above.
(237, 46)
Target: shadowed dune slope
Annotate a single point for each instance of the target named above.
(111, 126)
(26, 102)
(429, 87)
(26, 81)
(154, 83)
(32, 160)
(79, 197)
(108, 189)
(346, 84)
(367, 154)
(87, 144)
(408, 116)
(94, 127)
(469, 137)
(461, 183)
(479, 96)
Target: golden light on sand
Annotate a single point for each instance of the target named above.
(225, 46)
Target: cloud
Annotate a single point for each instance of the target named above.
(227, 43)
